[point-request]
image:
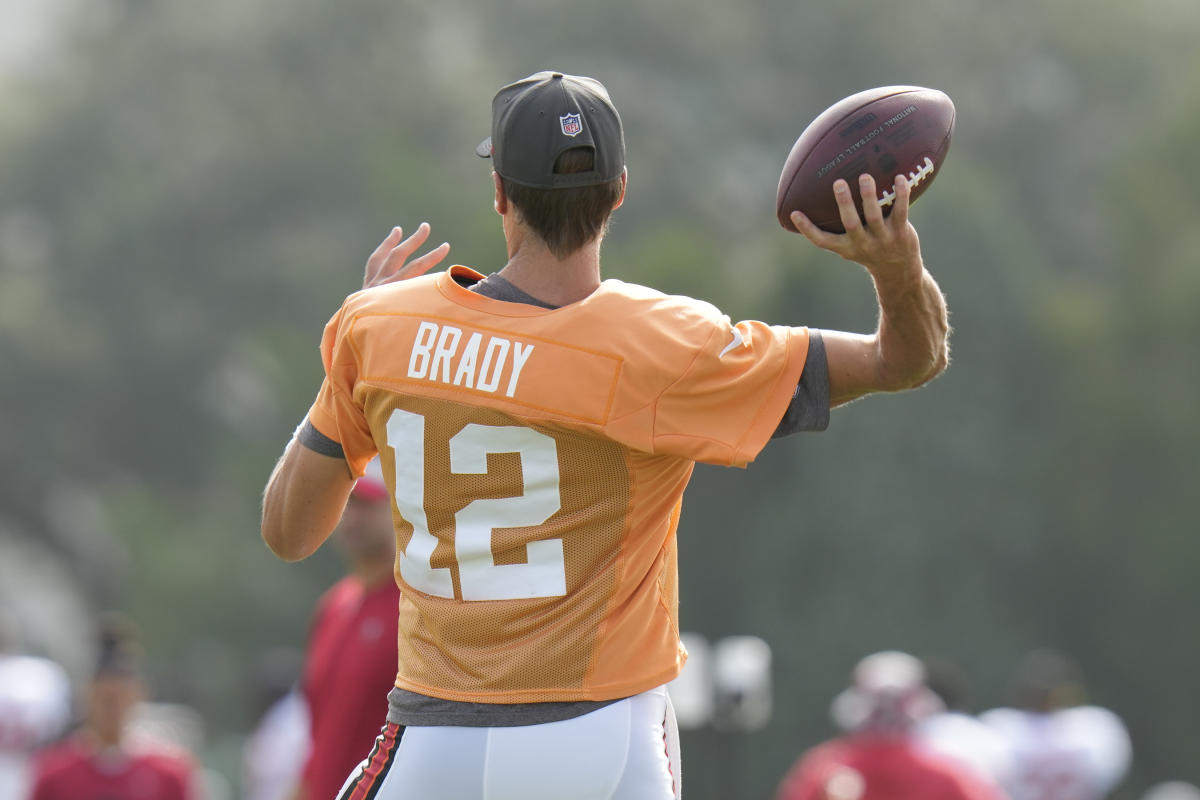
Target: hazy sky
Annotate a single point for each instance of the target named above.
(27, 30)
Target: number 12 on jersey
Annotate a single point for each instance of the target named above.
(480, 577)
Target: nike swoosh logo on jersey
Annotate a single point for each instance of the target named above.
(738, 341)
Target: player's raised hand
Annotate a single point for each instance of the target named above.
(887, 247)
(389, 263)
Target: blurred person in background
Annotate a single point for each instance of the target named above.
(276, 751)
(879, 757)
(35, 708)
(1062, 749)
(103, 760)
(350, 663)
(956, 732)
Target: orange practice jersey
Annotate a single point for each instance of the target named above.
(537, 459)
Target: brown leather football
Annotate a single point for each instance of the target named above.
(885, 132)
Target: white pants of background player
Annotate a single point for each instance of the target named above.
(628, 750)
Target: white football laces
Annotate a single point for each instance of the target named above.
(915, 177)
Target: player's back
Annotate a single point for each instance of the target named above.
(537, 458)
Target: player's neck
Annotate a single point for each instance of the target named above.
(533, 269)
(104, 737)
(374, 572)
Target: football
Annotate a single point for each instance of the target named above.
(884, 132)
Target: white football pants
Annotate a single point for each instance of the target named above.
(628, 750)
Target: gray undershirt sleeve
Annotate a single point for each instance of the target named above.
(318, 442)
(809, 409)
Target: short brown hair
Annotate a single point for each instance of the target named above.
(566, 219)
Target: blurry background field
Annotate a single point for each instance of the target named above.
(188, 190)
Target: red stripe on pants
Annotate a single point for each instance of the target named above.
(376, 769)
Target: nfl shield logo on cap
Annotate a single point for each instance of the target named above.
(572, 124)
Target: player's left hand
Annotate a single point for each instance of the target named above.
(388, 263)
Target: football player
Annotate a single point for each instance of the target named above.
(350, 662)
(959, 734)
(1062, 748)
(881, 756)
(537, 427)
(106, 758)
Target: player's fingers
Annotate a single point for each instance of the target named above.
(419, 266)
(846, 208)
(380, 253)
(401, 251)
(899, 213)
(416, 267)
(390, 261)
(872, 211)
(377, 262)
(805, 226)
(388, 243)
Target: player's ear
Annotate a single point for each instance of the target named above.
(624, 182)
(500, 203)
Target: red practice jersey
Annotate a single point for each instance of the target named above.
(349, 668)
(870, 768)
(537, 459)
(74, 771)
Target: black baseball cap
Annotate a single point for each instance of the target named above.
(535, 119)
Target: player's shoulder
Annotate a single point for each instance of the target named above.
(645, 299)
(1094, 727)
(56, 759)
(347, 590)
(378, 299)
(645, 317)
(839, 751)
(33, 674)
(965, 738)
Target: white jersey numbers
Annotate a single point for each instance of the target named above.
(480, 577)
(406, 437)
